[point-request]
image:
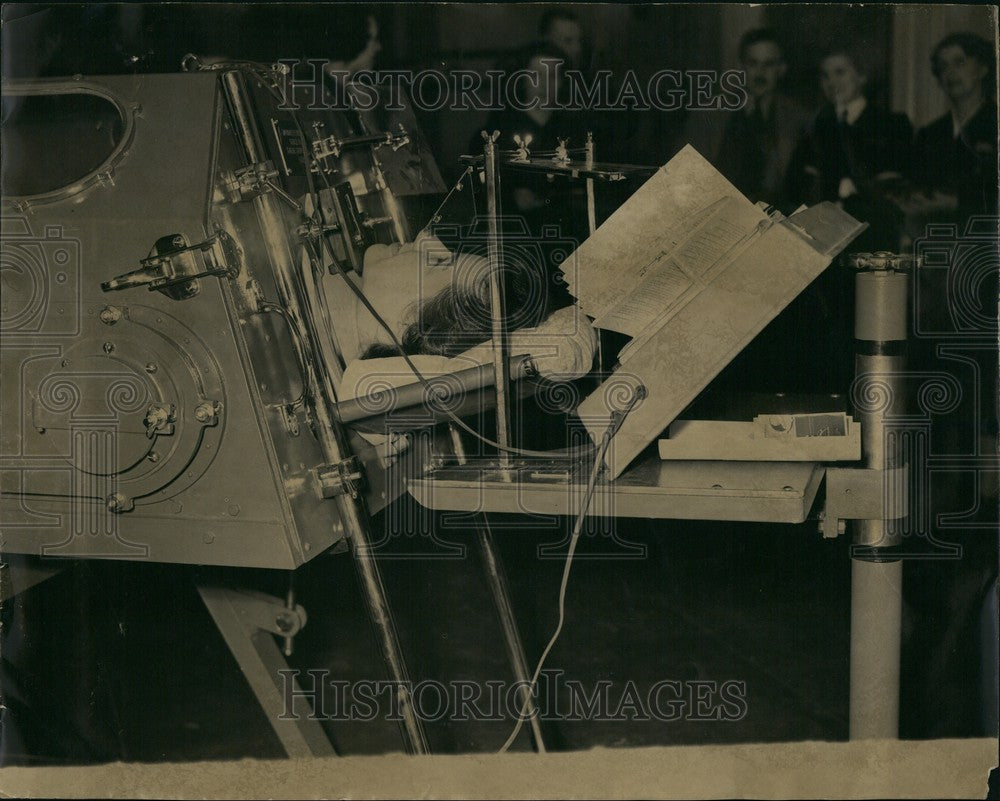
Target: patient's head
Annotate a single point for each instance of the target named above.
(458, 317)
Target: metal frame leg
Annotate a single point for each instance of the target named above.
(511, 636)
(248, 623)
(380, 615)
(505, 611)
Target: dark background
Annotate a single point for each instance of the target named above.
(47, 40)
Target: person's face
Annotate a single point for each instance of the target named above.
(840, 80)
(568, 37)
(764, 67)
(959, 75)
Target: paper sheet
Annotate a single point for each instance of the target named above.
(698, 290)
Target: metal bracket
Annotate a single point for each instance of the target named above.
(863, 494)
(246, 620)
(324, 147)
(259, 611)
(343, 478)
(247, 182)
(172, 268)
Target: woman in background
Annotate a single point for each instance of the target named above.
(856, 153)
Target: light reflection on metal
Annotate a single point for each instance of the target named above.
(494, 245)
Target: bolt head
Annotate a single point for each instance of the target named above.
(110, 315)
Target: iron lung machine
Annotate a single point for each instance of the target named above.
(161, 396)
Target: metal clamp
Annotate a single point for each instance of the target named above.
(207, 412)
(327, 146)
(343, 478)
(247, 182)
(160, 419)
(172, 267)
(883, 260)
(863, 494)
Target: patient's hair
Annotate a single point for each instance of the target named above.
(457, 319)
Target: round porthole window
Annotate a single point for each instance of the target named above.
(59, 139)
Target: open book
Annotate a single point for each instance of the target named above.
(692, 271)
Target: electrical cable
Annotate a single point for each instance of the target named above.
(617, 418)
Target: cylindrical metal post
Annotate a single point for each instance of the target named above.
(494, 245)
(876, 620)
(880, 331)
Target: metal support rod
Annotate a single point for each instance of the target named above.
(494, 245)
(591, 204)
(505, 610)
(592, 223)
(511, 636)
(300, 298)
(876, 574)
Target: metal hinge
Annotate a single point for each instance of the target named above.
(343, 478)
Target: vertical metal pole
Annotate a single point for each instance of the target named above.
(494, 246)
(592, 225)
(591, 204)
(300, 299)
(505, 610)
(880, 331)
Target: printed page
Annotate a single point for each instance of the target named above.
(687, 211)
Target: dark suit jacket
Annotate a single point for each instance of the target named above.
(878, 142)
(965, 166)
(756, 159)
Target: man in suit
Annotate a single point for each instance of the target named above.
(760, 139)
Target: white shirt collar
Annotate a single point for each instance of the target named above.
(853, 109)
(956, 126)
